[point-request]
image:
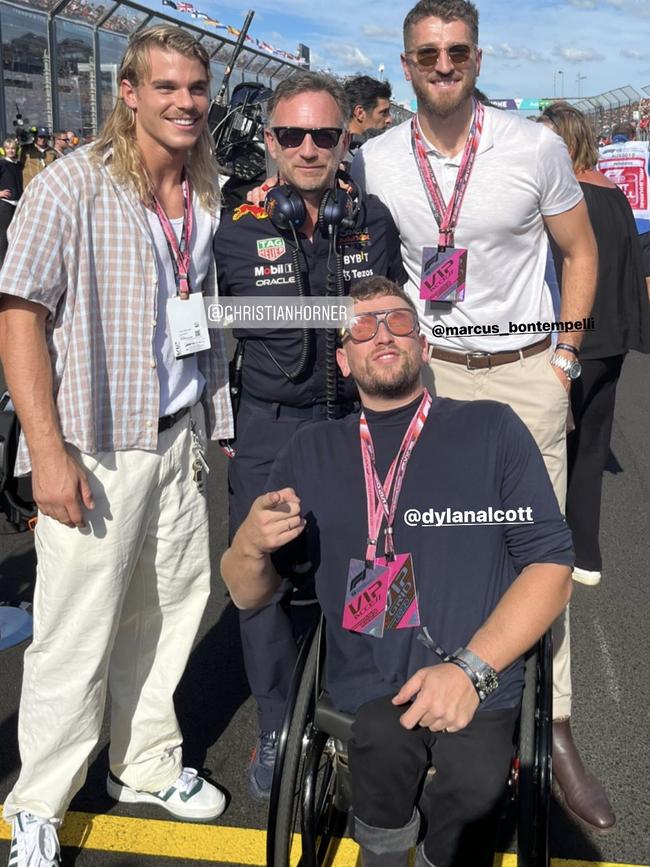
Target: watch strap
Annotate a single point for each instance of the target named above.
(483, 676)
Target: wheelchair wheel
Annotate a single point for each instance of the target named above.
(302, 795)
(535, 763)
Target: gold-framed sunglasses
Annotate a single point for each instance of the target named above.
(427, 56)
(400, 322)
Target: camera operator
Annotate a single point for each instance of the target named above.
(37, 156)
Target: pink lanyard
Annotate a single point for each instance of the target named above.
(446, 216)
(180, 255)
(377, 495)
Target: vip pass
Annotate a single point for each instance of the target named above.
(279, 312)
(467, 517)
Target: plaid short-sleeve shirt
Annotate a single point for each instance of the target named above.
(80, 246)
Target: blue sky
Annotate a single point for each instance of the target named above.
(525, 45)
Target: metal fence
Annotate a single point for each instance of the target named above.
(60, 59)
(624, 104)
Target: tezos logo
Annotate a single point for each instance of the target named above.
(271, 248)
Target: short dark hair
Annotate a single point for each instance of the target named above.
(626, 128)
(376, 287)
(309, 82)
(447, 10)
(366, 91)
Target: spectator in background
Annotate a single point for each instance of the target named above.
(621, 314)
(61, 143)
(623, 132)
(37, 156)
(73, 139)
(369, 104)
(11, 188)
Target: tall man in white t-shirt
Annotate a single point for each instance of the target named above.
(110, 252)
(473, 191)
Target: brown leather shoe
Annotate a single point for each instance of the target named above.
(580, 792)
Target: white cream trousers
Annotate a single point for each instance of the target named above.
(117, 605)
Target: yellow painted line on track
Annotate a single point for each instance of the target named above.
(216, 844)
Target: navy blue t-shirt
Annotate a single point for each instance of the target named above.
(471, 457)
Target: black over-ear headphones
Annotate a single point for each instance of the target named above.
(338, 207)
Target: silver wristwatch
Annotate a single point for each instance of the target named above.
(482, 675)
(573, 369)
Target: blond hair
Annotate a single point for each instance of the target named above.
(572, 126)
(118, 133)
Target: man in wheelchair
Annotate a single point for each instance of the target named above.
(441, 557)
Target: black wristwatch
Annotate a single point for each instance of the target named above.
(482, 675)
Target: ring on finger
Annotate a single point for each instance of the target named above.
(288, 525)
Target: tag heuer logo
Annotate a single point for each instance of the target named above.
(271, 248)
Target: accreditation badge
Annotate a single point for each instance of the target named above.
(365, 599)
(443, 274)
(402, 610)
(188, 325)
(381, 597)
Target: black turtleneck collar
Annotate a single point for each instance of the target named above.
(398, 416)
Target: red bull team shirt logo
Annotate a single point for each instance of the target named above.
(253, 210)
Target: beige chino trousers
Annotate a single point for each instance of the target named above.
(531, 387)
(117, 605)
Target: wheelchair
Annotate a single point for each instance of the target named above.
(310, 795)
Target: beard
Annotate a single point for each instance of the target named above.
(444, 105)
(395, 382)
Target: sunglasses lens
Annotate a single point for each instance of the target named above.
(290, 136)
(401, 323)
(427, 57)
(459, 53)
(363, 327)
(326, 137)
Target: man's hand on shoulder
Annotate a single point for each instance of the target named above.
(257, 195)
(273, 521)
(60, 487)
(443, 698)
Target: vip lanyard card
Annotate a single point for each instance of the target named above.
(365, 599)
(382, 597)
(188, 324)
(402, 610)
(443, 274)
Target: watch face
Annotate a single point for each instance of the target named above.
(489, 682)
(575, 370)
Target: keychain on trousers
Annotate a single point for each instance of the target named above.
(199, 464)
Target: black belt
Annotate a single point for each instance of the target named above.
(167, 421)
(317, 412)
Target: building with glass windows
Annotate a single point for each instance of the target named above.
(60, 60)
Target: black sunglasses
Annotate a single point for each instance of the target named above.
(427, 56)
(293, 136)
(400, 321)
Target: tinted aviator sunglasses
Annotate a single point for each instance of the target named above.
(400, 322)
(293, 136)
(428, 56)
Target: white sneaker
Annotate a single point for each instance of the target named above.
(188, 797)
(34, 842)
(583, 576)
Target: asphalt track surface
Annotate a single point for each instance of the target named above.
(611, 717)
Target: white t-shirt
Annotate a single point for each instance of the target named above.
(181, 381)
(522, 172)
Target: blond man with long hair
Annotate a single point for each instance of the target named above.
(106, 248)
